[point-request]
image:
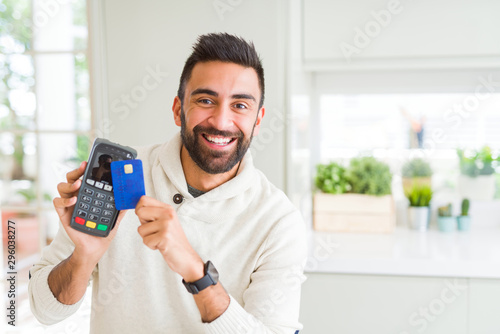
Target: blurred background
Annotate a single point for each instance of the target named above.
(382, 126)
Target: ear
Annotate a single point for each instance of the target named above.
(260, 115)
(176, 108)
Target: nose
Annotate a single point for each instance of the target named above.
(221, 118)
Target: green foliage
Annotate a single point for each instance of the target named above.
(83, 148)
(15, 22)
(465, 207)
(363, 176)
(331, 179)
(474, 162)
(417, 167)
(16, 33)
(419, 195)
(30, 195)
(369, 176)
(445, 211)
(79, 13)
(83, 143)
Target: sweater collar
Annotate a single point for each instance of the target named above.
(170, 161)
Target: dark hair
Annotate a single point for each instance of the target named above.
(104, 158)
(225, 48)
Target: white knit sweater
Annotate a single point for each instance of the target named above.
(246, 227)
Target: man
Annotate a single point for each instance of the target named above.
(102, 173)
(225, 248)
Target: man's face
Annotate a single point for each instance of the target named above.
(219, 115)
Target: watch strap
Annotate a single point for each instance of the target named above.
(211, 278)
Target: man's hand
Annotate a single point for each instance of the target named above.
(160, 230)
(68, 280)
(87, 247)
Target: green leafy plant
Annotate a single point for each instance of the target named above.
(445, 211)
(419, 195)
(416, 167)
(369, 176)
(477, 162)
(465, 207)
(30, 195)
(82, 149)
(331, 179)
(15, 26)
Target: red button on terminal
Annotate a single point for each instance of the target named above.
(79, 220)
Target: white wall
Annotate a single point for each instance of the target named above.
(136, 38)
(375, 34)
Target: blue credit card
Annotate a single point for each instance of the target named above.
(128, 183)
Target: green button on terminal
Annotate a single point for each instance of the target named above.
(102, 227)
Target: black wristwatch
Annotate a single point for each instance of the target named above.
(211, 278)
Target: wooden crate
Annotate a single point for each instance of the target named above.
(354, 213)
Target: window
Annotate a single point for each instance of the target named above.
(395, 127)
(392, 121)
(45, 118)
(341, 115)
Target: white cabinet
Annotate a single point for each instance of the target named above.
(380, 34)
(484, 306)
(335, 303)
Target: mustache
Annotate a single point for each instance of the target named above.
(215, 132)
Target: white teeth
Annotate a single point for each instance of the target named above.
(218, 140)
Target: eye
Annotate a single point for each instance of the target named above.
(205, 101)
(240, 106)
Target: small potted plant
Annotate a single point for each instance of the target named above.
(463, 221)
(446, 223)
(416, 171)
(356, 198)
(419, 210)
(477, 169)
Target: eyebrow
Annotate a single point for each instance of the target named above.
(215, 94)
(243, 96)
(204, 91)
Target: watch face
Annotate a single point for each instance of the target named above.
(212, 272)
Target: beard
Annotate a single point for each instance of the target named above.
(212, 161)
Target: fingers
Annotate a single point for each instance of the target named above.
(67, 190)
(148, 214)
(149, 209)
(146, 201)
(62, 204)
(147, 229)
(154, 241)
(75, 174)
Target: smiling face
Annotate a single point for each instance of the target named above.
(220, 114)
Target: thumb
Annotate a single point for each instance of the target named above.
(62, 204)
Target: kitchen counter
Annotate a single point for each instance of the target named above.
(471, 254)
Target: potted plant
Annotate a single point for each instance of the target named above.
(419, 197)
(477, 169)
(446, 223)
(369, 176)
(331, 179)
(463, 221)
(354, 199)
(416, 171)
